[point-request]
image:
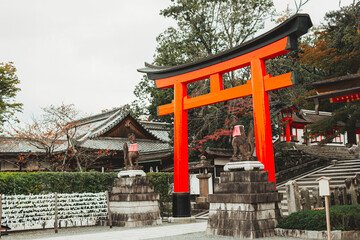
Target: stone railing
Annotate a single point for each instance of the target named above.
(301, 199)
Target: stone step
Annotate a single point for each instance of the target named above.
(335, 173)
(333, 179)
(345, 167)
(338, 173)
(315, 184)
(348, 162)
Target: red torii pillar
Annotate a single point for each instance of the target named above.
(257, 87)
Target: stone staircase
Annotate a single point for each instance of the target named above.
(337, 172)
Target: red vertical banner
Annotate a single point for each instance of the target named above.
(262, 122)
(181, 172)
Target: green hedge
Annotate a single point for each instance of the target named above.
(62, 182)
(342, 217)
(162, 182)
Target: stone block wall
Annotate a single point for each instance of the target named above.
(133, 203)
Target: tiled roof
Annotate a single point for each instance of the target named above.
(13, 145)
(144, 146)
(94, 126)
(159, 129)
(310, 116)
(298, 119)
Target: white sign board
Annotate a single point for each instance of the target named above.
(324, 186)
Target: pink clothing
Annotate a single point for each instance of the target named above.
(133, 148)
(236, 131)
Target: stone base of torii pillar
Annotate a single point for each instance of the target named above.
(244, 203)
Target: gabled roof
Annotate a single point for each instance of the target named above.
(106, 131)
(98, 125)
(93, 126)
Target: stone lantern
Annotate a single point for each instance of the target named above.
(203, 177)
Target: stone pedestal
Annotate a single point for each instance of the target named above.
(133, 203)
(244, 205)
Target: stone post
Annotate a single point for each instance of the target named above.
(337, 196)
(293, 198)
(305, 199)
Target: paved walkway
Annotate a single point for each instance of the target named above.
(139, 233)
(189, 231)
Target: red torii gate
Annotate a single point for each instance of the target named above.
(278, 41)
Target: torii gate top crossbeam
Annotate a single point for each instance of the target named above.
(293, 27)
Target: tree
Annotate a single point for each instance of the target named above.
(55, 135)
(205, 27)
(8, 90)
(336, 48)
(336, 51)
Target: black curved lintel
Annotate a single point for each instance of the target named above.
(293, 27)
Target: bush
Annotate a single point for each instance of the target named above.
(342, 217)
(62, 182)
(162, 183)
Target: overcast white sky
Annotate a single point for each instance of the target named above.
(86, 52)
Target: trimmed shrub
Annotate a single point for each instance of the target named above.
(342, 217)
(162, 183)
(62, 182)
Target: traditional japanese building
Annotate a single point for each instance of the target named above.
(294, 123)
(106, 131)
(109, 131)
(339, 89)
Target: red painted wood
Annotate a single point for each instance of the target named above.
(262, 122)
(181, 172)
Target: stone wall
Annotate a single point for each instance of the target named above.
(329, 152)
(291, 162)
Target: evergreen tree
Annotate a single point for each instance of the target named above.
(8, 90)
(336, 51)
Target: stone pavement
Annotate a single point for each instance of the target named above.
(189, 231)
(140, 233)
